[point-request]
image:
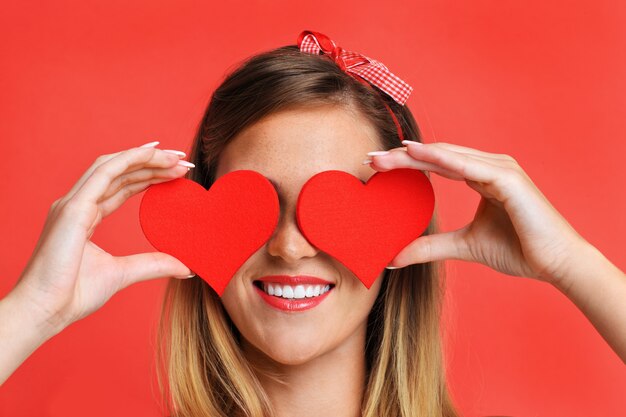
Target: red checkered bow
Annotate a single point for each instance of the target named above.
(360, 67)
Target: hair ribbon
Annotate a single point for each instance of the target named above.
(364, 69)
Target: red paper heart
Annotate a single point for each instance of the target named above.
(365, 226)
(213, 232)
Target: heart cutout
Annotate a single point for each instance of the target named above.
(214, 231)
(365, 226)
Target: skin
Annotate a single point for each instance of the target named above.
(530, 238)
(304, 347)
(68, 277)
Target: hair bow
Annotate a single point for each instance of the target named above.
(366, 70)
(356, 64)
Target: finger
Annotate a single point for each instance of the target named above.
(471, 151)
(435, 247)
(98, 183)
(146, 266)
(469, 167)
(99, 161)
(399, 159)
(115, 201)
(142, 175)
(507, 162)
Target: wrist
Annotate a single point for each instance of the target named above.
(22, 331)
(598, 288)
(586, 262)
(30, 315)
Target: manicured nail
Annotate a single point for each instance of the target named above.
(412, 142)
(150, 144)
(393, 267)
(378, 153)
(185, 276)
(367, 161)
(179, 153)
(186, 164)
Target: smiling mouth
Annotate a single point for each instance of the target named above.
(300, 291)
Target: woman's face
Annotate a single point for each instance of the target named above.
(288, 148)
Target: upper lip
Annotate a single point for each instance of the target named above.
(295, 280)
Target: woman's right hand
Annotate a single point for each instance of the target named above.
(68, 277)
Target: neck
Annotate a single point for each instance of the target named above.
(329, 385)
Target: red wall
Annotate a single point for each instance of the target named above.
(542, 81)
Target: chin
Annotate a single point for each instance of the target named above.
(286, 345)
(286, 351)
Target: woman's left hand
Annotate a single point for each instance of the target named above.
(515, 229)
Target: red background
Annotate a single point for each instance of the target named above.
(542, 81)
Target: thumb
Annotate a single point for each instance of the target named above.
(146, 266)
(435, 247)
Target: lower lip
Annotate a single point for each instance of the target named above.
(291, 304)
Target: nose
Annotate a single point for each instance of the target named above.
(288, 242)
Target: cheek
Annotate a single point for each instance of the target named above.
(234, 299)
(357, 300)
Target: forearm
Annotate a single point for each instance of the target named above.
(22, 331)
(598, 288)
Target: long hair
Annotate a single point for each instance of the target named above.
(200, 366)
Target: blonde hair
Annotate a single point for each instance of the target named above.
(200, 366)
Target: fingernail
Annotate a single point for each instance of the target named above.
(150, 144)
(179, 153)
(185, 276)
(412, 142)
(186, 164)
(378, 153)
(367, 161)
(393, 267)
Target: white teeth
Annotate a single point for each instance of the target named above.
(298, 291)
(309, 291)
(287, 291)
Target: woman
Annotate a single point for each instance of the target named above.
(288, 115)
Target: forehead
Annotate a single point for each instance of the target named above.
(290, 146)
